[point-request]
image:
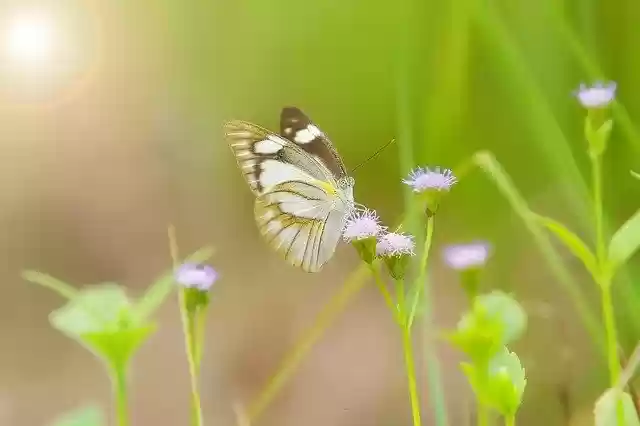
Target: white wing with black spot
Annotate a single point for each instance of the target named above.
(303, 195)
(267, 159)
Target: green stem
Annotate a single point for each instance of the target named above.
(375, 271)
(189, 331)
(199, 325)
(597, 205)
(604, 281)
(482, 414)
(435, 386)
(610, 327)
(407, 348)
(510, 421)
(120, 390)
(421, 281)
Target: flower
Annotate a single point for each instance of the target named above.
(467, 256)
(395, 249)
(362, 224)
(596, 96)
(361, 229)
(194, 275)
(393, 244)
(424, 179)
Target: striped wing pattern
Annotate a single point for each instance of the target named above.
(302, 222)
(267, 159)
(299, 208)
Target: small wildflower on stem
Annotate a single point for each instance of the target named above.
(430, 184)
(597, 127)
(468, 260)
(596, 100)
(396, 249)
(195, 281)
(361, 230)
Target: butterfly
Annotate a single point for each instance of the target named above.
(304, 194)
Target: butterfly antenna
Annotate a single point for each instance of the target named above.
(374, 155)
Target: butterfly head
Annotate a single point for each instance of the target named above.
(346, 182)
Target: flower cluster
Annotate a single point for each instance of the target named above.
(371, 239)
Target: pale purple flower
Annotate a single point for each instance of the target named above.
(467, 256)
(362, 224)
(425, 179)
(194, 275)
(395, 244)
(597, 96)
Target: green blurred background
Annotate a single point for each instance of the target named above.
(115, 131)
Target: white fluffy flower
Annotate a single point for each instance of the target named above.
(395, 244)
(362, 224)
(424, 178)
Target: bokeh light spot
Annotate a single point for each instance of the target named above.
(30, 38)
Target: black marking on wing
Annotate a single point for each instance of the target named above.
(242, 138)
(294, 123)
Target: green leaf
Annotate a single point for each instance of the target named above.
(495, 320)
(478, 335)
(102, 319)
(97, 309)
(577, 247)
(162, 288)
(606, 406)
(635, 174)
(60, 287)
(117, 348)
(599, 137)
(504, 184)
(506, 382)
(85, 416)
(499, 383)
(625, 242)
(605, 130)
(503, 308)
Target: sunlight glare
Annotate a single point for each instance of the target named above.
(30, 39)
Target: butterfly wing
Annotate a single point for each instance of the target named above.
(267, 159)
(300, 206)
(297, 127)
(302, 220)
